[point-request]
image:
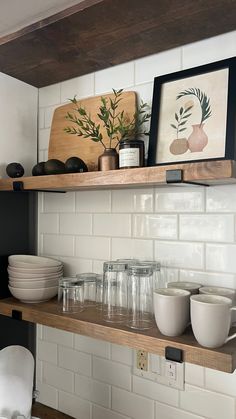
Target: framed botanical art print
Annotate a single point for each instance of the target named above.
(194, 115)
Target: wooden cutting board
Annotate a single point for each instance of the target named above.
(63, 145)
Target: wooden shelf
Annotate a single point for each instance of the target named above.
(97, 34)
(88, 323)
(206, 173)
(44, 412)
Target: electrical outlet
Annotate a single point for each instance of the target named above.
(142, 360)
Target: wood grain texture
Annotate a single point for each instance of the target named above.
(209, 173)
(45, 412)
(98, 34)
(90, 323)
(63, 145)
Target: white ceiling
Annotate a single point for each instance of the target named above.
(16, 14)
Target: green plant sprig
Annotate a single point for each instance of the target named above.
(116, 123)
(181, 120)
(203, 100)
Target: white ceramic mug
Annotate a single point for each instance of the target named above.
(192, 287)
(211, 319)
(171, 309)
(224, 292)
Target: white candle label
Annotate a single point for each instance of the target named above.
(129, 157)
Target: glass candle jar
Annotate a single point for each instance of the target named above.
(131, 154)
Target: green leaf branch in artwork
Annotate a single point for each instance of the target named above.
(203, 100)
(181, 119)
(115, 122)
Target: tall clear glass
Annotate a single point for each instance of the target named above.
(140, 297)
(156, 267)
(114, 307)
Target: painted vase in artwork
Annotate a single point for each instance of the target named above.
(198, 139)
(179, 146)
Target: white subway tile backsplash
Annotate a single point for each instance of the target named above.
(49, 95)
(164, 411)
(112, 225)
(132, 200)
(221, 198)
(194, 374)
(92, 346)
(82, 87)
(93, 201)
(92, 390)
(131, 404)
(116, 77)
(209, 50)
(59, 202)
(155, 225)
(179, 199)
(208, 278)
(122, 354)
(47, 351)
(112, 373)
(43, 138)
(60, 337)
(144, 92)
(221, 258)
(49, 223)
(212, 227)
(73, 406)
(92, 247)
(54, 244)
(101, 413)
(76, 224)
(155, 391)
(49, 115)
(41, 113)
(48, 395)
(156, 65)
(132, 248)
(180, 254)
(220, 382)
(76, 361)
(206, 403)
(72, 266)
(58, 377)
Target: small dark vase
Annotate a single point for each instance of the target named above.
(109, 160)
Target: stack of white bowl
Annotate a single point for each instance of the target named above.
(33, 279)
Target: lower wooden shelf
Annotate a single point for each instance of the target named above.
(90, 323)
(44, 412)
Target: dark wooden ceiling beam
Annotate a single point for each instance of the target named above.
(97, 34)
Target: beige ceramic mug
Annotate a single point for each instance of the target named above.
(192, 287)
(211, 319)
(171, 309)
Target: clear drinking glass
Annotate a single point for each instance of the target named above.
(156, 267)
(90, 280)
(70, 295)
(140, 297)
(99, 292)
(114, 305)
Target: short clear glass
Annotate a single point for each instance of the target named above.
(70, 295)
(90, 280)
(114, 307)
(99, 292)
(140, 297)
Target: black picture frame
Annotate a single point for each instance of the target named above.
(159, 142)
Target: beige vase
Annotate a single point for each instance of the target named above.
(179, 146)
(198, 140)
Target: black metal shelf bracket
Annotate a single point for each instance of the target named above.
(18, 186)
(176, 176)
(16, 314)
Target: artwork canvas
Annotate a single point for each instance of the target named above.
(190, 115)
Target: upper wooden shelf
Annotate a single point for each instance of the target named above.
(90, 323)
(97, 34)
(206, 173)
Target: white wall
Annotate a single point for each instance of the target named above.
(190, 229)
(18, 122)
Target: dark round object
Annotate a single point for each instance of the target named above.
(38, 169)
(75, 165)
(54, 167)
(15, 170)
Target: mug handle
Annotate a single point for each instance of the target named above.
(234, 334)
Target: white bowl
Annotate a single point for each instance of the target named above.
(34, 284)
(50, 270)
(30, 276)
(29, 261)
(34, 280)
(37, 295)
